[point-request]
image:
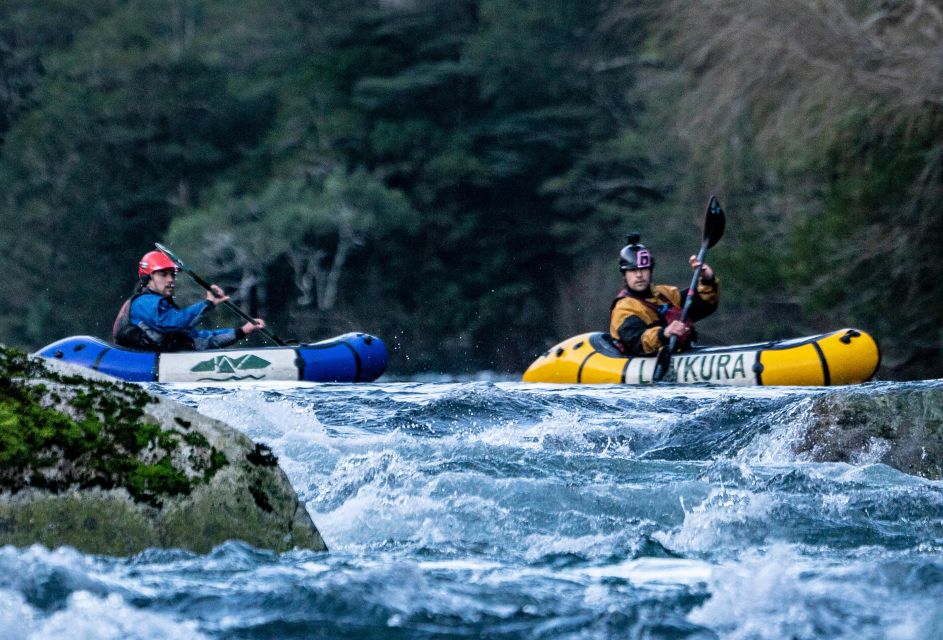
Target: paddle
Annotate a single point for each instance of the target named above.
(714, 223)
(203, 283)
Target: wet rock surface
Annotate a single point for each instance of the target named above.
(105, 467)
(902, 428)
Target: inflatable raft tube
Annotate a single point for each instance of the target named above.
(352, 357)
(846, 356)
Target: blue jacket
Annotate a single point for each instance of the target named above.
(161, 318)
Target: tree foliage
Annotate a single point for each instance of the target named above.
(822, 121)
(456, 176)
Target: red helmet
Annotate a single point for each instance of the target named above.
(155, 261)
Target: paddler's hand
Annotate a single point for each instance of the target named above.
(677, 328)
(216, 296)
(707, 274)
(255, 325)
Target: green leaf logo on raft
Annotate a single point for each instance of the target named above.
(227, 364)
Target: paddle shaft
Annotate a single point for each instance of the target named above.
(692, 291)
(206, 285)
(714, 223)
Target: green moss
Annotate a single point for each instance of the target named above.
(217, 461)
(168, 440)
(208, 464)
(196, 440)
(152, 481)
(102, 434)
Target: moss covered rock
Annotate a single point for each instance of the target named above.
(902, 428)
(107, 468)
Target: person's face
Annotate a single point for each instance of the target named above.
(638, 279)
(163, 282)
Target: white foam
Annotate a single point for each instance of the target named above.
(707, 525)
(459, 565)
(595, 545)
(373, 515)
(16, 616)
(760, 597)
(781, 593)
(89, 617)
(874, 453)
(655, 571)
(787, 428)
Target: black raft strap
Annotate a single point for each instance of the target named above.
(826, 376)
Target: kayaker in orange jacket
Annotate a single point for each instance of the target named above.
(643, 317)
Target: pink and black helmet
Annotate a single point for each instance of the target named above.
(634, 255)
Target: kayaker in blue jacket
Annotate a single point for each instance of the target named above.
(151, 320)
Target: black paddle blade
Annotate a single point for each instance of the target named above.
(662, 364)
(715, 221)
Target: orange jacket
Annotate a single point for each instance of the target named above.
(637, 320)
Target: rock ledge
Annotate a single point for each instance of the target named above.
(105, 467)
(902, 428)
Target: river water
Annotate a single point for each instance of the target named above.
(505, 510)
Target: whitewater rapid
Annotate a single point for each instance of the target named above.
(507, 510)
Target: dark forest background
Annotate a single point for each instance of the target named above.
(458, 176)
